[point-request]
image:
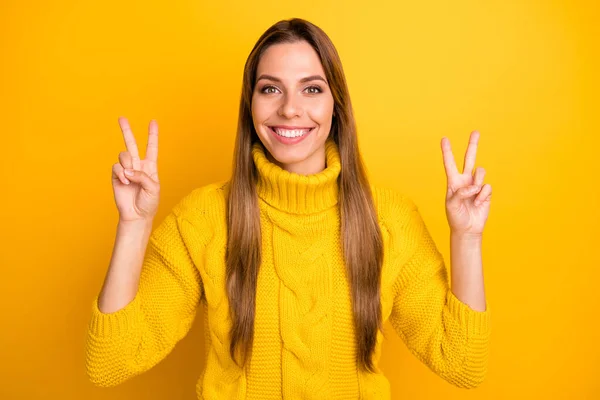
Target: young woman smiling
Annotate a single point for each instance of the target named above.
(297, 260)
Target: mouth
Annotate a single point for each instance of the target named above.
(290, 132)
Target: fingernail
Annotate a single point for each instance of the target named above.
(129, 172)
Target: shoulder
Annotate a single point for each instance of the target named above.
(400, 220)
(204, 205)
(393, 207)
(203, 199)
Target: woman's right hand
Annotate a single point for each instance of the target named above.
(137, 195)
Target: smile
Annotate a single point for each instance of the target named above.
(290, 134)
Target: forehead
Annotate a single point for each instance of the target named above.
(290, 61)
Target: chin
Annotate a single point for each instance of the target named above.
(290, 157)
(286, 154)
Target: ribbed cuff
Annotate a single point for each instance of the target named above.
(116, 323)
(476, 322)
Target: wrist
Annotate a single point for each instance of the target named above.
(466, 236)
(135, 225)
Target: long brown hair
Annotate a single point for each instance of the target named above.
(361, 236)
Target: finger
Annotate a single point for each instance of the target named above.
(142, 178)
(449, 164)
(125, 159)
(471, 153)
(463, 193)
(118, 173)
(152, 147)
(130, 142)
(467, 191)
(484, 195)
(479, 175)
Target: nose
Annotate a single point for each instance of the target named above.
(290, 108)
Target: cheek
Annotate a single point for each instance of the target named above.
(261, 110)
(321, 112)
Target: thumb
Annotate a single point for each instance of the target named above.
(464, 193)
(143, 179)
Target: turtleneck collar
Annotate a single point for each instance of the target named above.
(296, 193)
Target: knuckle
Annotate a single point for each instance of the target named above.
(124, 158)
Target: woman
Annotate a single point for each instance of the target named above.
(337, 256)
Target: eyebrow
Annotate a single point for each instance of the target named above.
(306, 79)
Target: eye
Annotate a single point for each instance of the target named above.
(317, 89)
(266, 89)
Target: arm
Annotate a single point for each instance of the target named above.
(467, 270)
(134, 326)
(446, 334)
(122, 279)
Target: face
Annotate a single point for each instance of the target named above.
(292, 107)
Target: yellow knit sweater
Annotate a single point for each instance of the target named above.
(304, 336)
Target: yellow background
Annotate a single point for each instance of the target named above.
(523, 73)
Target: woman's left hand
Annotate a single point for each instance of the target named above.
(467, 198)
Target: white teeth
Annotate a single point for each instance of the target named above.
(291, 133)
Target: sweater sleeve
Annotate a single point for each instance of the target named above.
(127, 342)
(441, 331)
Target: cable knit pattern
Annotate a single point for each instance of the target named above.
(304, 344)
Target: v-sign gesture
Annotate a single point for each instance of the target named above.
(137, 194)
(467, 198)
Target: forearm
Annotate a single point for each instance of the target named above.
(467, 270)
(122, 279)
(148, 302)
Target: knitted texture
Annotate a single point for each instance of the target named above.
(304, 344)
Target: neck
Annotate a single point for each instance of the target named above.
(298, 193)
